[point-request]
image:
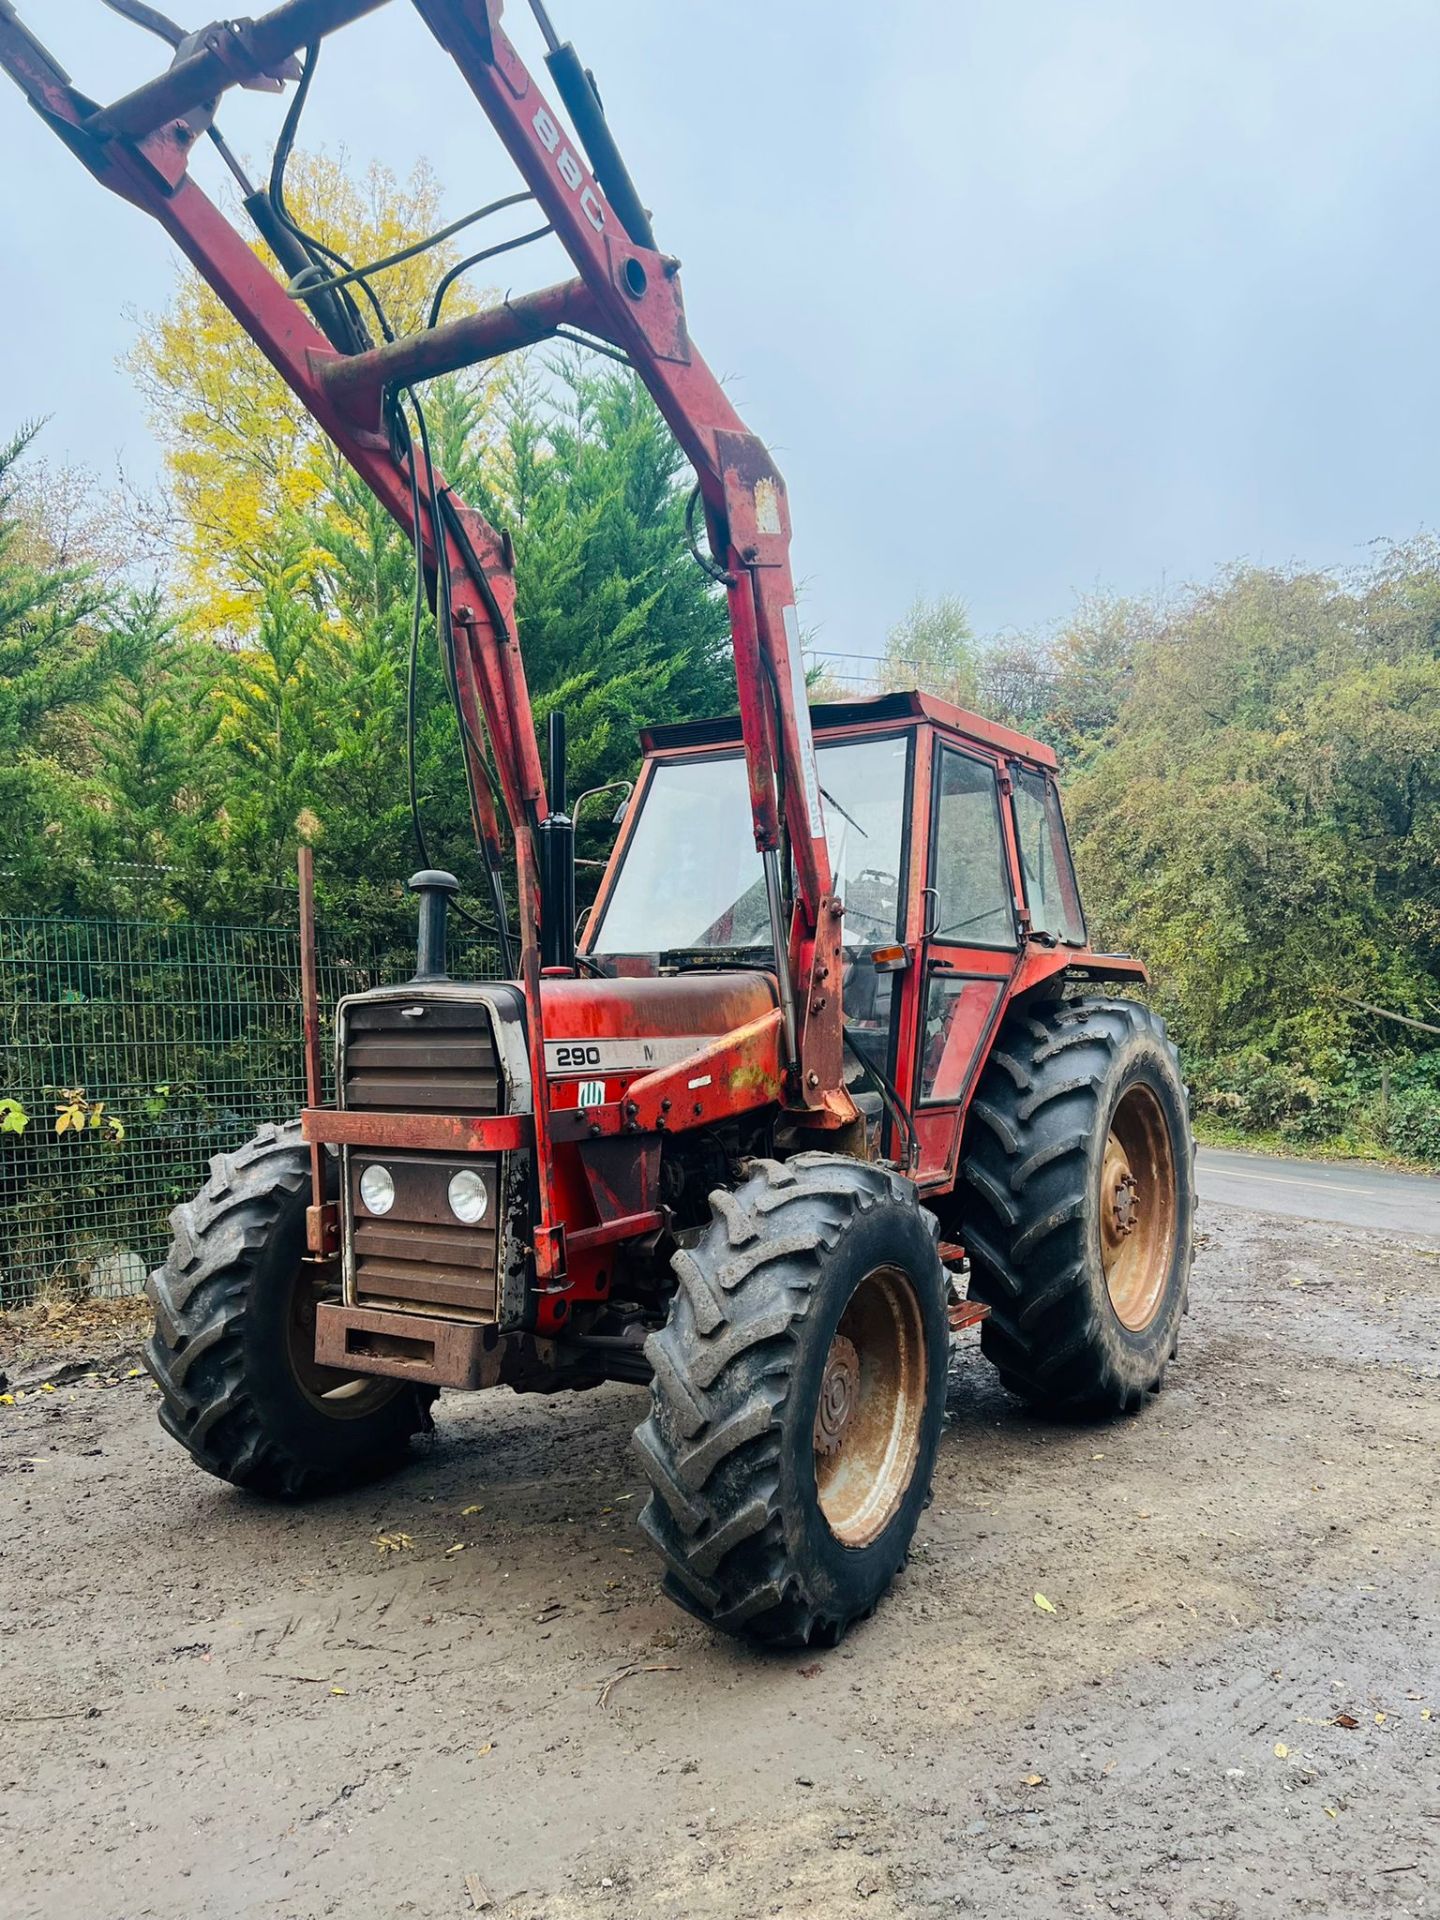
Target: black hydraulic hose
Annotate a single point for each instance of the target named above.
(889, 1093)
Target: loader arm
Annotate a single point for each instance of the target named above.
(625, 292)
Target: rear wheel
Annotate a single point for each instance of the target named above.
(797, 1401)
(233, 1347)
(1079, 1204)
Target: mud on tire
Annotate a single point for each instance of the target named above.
(222, 1349)
(1041, 1194)
(739, 1514)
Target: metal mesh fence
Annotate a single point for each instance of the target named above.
(132, 1050)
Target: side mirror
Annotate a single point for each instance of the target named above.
(624, 788)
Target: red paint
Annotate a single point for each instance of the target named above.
(427, 1132)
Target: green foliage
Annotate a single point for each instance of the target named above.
(934, 647)
(62, 638)
(1261, 818)
(1253, 792)
(617, 624)
(136, 745)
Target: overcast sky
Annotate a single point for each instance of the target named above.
(1026, 298)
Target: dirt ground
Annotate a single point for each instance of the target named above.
(209, 1707)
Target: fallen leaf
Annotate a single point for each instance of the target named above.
(489, 1747)
(48, 1387)
(1332, 1813)
(459, 1547)
(1379, 1719)
(1425, 1713)
(7, 1399)
(1034, 1780)
(392, 1542)
(341, 1691)
(1282, 1752)
(1045, 1606)
(1346, 1720)
(466, 1511)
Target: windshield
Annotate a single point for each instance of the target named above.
(691, 876)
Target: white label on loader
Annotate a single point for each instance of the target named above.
(800, 700)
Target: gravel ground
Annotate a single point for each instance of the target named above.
(215, 1708)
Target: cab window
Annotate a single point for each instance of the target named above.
(1045, 866)
(972, 905)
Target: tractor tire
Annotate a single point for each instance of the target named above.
(233, 1319)
(1078, 1205)
(797, 1400)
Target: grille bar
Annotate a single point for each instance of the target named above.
(421, 1056)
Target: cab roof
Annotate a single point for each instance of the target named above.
(876, 711)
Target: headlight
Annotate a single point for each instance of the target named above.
(468, 1198)
(377, 1189)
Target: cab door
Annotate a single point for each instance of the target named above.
(970, 950)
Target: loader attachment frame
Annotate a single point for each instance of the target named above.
(626, 293)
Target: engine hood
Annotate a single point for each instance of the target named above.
(628, 1027)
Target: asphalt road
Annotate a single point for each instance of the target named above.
(1343, 1191)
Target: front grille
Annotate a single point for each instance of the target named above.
(423, 1055)
(419, 1254)
(420, 1056)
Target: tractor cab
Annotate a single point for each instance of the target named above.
(947, 847)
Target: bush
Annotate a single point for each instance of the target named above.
(1414, 1124)
(1264, 1095)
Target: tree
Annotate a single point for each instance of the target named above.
(62, 639)
(1092, 659)
(244, 459)
(933, 648)
(617, 623)
(1262, 821)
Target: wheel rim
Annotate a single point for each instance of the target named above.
(338, 1395)
(1137, 1208)
(870, 1407)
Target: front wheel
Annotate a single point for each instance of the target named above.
(233, 1346)
(798, 1396)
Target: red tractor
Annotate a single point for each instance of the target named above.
(832, 1040)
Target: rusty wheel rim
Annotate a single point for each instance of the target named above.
(1137, 1208)
(870, 1406)
(340, 1396)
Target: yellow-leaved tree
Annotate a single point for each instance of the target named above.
(243, 459)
